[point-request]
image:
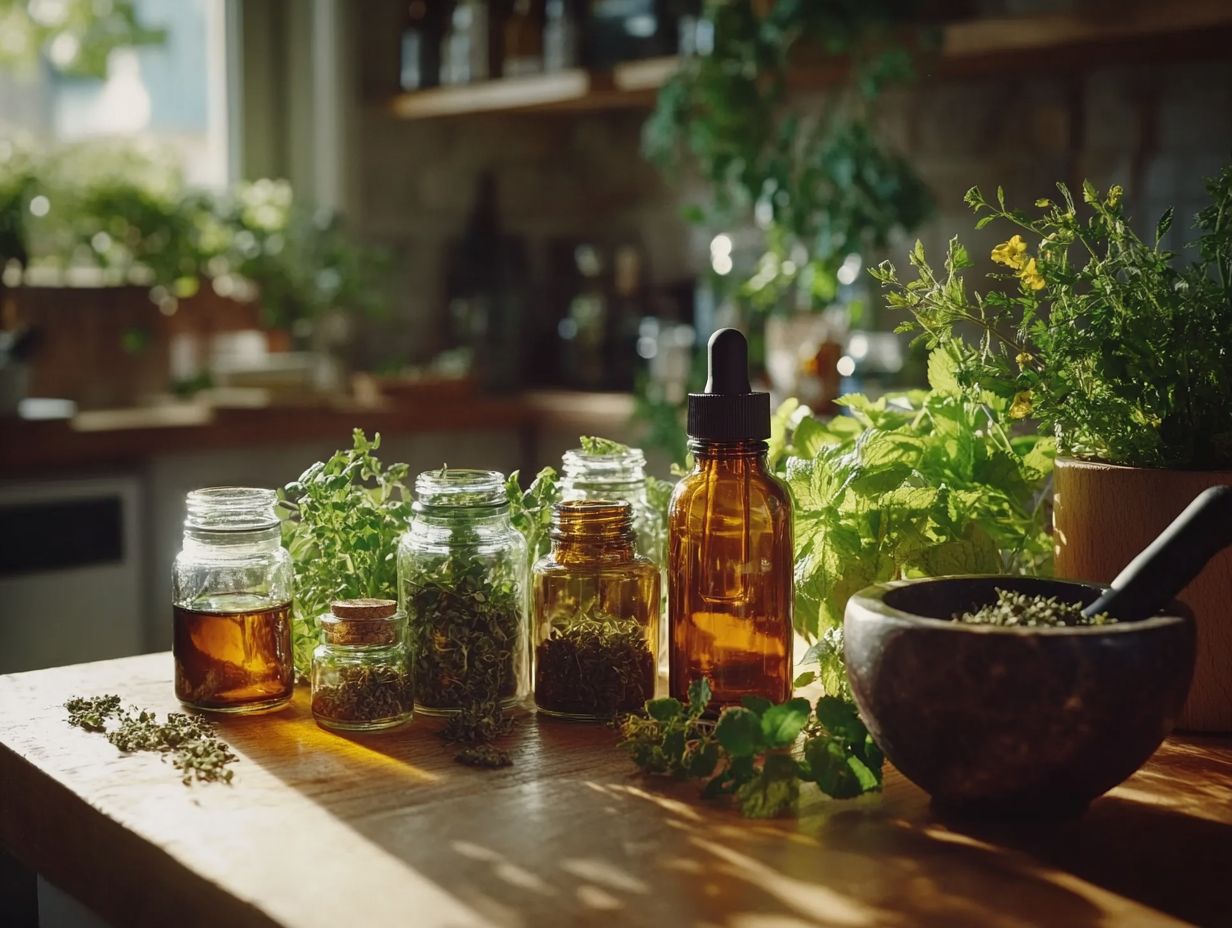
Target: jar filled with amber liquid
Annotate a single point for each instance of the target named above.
(596, 615)
(232, 604)
(730, 557)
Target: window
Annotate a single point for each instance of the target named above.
(172, 92)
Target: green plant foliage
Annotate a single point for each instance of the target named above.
(825, 185)
(124, 208)
(918, 484)
(75, 37)
(1102, 338)
(757, 754)
(341, 521)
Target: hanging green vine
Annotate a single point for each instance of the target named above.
(814, 172)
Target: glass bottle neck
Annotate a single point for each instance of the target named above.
(592, 551)
(749, 455)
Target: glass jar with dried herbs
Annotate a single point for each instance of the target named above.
(231, 597)
(462, 583)
(596, 614)
(361, 670)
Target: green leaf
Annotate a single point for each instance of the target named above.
(664, 709)
(781, 724)
(739, 731)
(699, 697)
(773, 791)
(943, 371)
(840, 718)
(757, 704)
(805, 679)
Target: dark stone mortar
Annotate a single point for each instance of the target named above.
(995, 721)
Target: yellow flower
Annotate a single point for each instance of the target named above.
(1031, 277)
(1023, 358)
(1012, 253)
(1020, 408)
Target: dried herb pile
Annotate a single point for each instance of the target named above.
(364, 693)
(189, 740)
(594, 664)
(465, 635)
(1027, 611)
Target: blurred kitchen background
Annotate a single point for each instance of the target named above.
(232, 230)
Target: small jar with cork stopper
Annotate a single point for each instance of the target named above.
(361, 673)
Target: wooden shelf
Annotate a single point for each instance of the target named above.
(1175, 30)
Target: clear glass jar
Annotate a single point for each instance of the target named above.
(231, 595)
(596, 614)
(462, 570)
(361, 670)
(616, 476)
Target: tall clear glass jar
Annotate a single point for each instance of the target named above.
(462, 571)
(231, 594)
(361, 672)
(619, 475)
(596, 615)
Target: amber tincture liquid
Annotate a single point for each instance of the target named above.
(730, 545)
(233, 653)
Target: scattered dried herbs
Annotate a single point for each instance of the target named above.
(364, 693)
(1031, 611)
(594, 664)
(195, 749)
(484, 756)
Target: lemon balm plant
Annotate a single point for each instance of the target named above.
(1105, 339)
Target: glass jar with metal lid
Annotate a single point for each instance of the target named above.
(231, 596)
(462, 570)
(361, 671)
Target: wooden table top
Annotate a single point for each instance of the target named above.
(323, 830)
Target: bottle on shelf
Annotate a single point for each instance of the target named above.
(421, 46)
(730, 544)
(521, 49)
(560, 35)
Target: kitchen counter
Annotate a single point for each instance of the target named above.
(323, 830)
(117, 437)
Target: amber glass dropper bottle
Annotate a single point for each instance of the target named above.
(729, 548)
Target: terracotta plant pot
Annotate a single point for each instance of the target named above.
(1104, 515)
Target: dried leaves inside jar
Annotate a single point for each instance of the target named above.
(594, 665)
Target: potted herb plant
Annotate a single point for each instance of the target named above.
(1121, 350)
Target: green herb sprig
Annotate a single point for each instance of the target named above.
(341, 522)
(190, 741)
(759, 753)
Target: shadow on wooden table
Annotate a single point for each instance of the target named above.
(572, 834)
(1176, 862)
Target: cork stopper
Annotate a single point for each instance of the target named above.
(363, 608)
(362, 622)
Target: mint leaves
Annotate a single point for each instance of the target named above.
(916, 484)
(758, 754)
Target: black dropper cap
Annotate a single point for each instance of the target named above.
(728, 410)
